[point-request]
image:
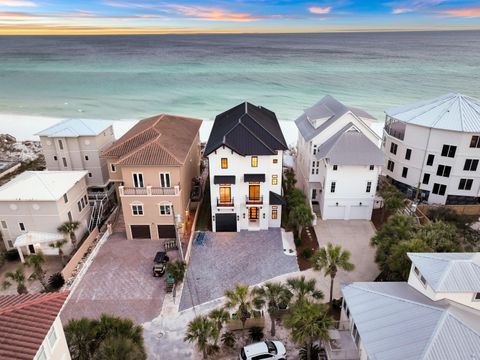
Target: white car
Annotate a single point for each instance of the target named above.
(271, 350)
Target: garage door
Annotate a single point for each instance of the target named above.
(335, 212)
(359, 212)
(166, 231)
(226, 222)
(140, 231)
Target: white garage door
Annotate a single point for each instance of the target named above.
(359, 212)
(335, 212)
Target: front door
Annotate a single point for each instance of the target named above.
(253, 213)
(314, 194)
(254, 192)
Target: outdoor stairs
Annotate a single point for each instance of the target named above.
(99, 204)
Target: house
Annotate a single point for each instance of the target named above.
(338, 160)
(435, 315)
(35, 203)
(31, 328)
(75, 144)
(432, 149)
(245, 153)
(152, 166)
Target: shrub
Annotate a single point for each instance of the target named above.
(228, 339)
(12, 255)
(255, 333)
(307, 253)
(298, 241)
(55, 282)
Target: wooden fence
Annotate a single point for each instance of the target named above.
(79, 254)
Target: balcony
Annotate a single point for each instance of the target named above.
(257, 200)
(223, 203)
(148, 191)
(341, 345)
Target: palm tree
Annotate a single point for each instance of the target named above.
(275, 296)
(219, 317)
(59, 244)
(68, 228)
(304, 289)
(177, 269)
(309, 322)
(37, 261)
(81, 338)
(119, 348)
(239, 299)
(330, 259)
(201, 330)
(300, 216)
(17, 277)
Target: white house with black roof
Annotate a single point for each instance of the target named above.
(245, 151)
(432, 149)
(338, 160)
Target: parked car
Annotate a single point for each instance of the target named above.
(159, 263)
(271, 350)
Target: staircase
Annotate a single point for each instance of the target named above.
(99, 204)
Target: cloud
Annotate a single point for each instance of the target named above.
(397, 11)
(404, 7)
(17, 3)
(468, 13)
(320, 10)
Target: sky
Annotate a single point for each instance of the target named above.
(19, 17)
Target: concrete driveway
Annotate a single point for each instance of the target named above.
(120, 282)
(353, 235)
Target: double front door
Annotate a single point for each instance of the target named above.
(253, 213)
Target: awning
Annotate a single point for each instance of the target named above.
(227, 179)
(276, 199)
(254, 178)
(34, 237)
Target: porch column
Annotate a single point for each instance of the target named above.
(20, 253)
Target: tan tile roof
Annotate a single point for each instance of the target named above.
(25, 321)
(159, 140)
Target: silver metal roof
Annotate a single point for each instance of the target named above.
(349, 146)
(328, 109)
(449, 272)
(396, 322)
(76, 127)
(455, 112)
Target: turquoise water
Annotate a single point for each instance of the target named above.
(131, 77)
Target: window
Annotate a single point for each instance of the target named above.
(113, 167)
(476, 296)
(254, 161)
(372, 167)
(4, 224)
(475, 142)
(41, 354)
(60, 144)
(225, 194)
(449, 150)
(444, 170)
(393, 148)
(22, 226)
(165, 180)
(137, 180)
(69, 214)
(430, 159)
(52, 337)
(64, 162)
(90, 175)
(408, 154)
(137, 210)
(423, 280)
(439, 189)
(165, 209)
(332, 186)
(426, 179)
(86, 157)
(404, 172)
(224, 163)
(274, 179)
(313, 171)
(55, 158)
(314, 149)
(369, 186)
(275, 161)
(465, 184)
(390, 165)
(274, 213)
(65, 198)
(335, 167)
(79, 204)
(416, 270)
(470, 165)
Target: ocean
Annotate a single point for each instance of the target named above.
(136, 76)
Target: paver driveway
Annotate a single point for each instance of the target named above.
(249, 257)
(120, 282)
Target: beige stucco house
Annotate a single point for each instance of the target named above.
(35, 203)
(153, 165)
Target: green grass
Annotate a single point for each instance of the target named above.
(204, 220)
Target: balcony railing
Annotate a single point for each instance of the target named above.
(254, 200)
(148, 191)
(225, 203)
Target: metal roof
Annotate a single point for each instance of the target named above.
(327, 111)
(396, 322)
(276, 199)
(76, 127)
(36, 237)
(449, 272)
(349, 146)
(454, 112)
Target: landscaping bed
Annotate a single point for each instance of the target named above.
(306, 247)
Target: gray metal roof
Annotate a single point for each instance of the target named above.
(76, 127)
(396, 322)
(449, 272)
(328, 110)
(349, 146)
(455, 112)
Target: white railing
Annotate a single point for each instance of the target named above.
(148, 191)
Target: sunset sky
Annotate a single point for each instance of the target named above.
(234, 16)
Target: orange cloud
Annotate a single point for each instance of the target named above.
(320, 10)
(15, 15)
(210, 13)
(17, 3)
(469, 13)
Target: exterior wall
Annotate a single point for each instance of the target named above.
(44, 216)
(57, 350)
(75, 151)
(238, 166)
(344, 319)
(424, 141)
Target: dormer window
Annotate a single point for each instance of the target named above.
(420, 276)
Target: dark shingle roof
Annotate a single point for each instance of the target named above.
(248, 130)
(276, 199)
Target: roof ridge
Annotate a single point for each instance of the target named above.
(335, 141)
(256, 137)
(263, 127)
(34, 301)
(88, 127)
(469, 103)
(434, 334)
(117, 143)
(43, 183)
(445, 273)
